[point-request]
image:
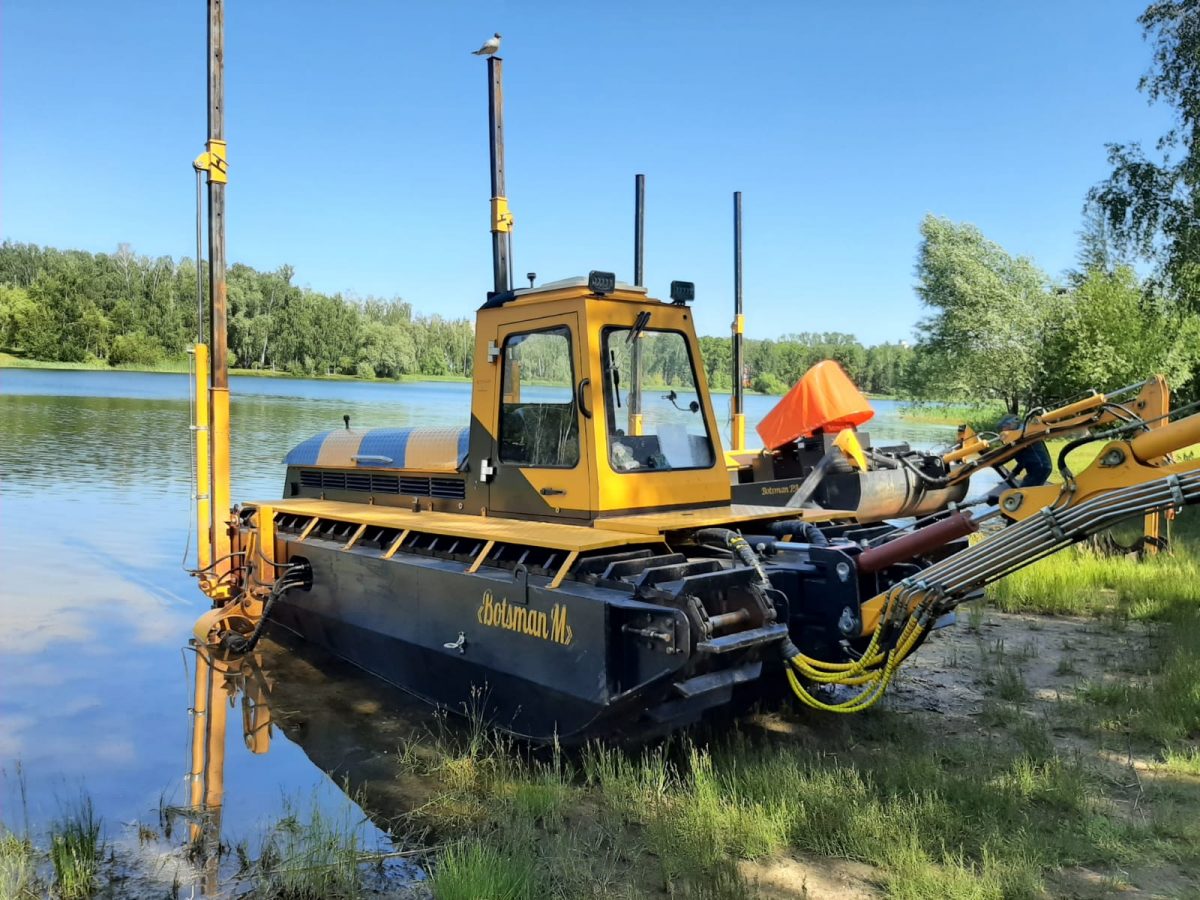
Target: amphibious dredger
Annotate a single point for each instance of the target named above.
(571, 560)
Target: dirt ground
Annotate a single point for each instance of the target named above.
(350, 727)
(952, 681)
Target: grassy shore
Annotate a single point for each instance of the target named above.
(980, 416)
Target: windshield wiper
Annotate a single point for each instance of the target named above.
(639, 325)
(616, 376)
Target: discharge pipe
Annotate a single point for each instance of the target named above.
(918, 543)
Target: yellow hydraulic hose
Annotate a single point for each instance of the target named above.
(878, 680)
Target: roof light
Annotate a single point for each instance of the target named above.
(601, 283)
(683, 292)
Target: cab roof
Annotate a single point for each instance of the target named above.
(576, 286)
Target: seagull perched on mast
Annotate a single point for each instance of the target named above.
(489, 48)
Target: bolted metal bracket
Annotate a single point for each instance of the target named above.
(502, 219)
(486, 470)
(493, 352)
(214, 162)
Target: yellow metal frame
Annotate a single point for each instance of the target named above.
(202, 474)
(502, 217)
(214, 161)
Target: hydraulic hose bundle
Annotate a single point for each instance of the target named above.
(295, 575)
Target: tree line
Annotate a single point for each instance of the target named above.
(122, 308)
(125, 309)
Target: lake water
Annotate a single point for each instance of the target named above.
(95, 484)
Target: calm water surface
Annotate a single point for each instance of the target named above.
(96, 605)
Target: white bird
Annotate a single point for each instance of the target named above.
(489, 48)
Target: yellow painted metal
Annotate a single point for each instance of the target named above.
(563, 569)
(552, 535)
(219, 434)
(563, 488)
(312, 523)
(214, 161)
(847, 442)
(970, 447)
(502, 218)
(264, 561)
(656, 523)
(204, 555)
(354, 540)
(739, 324)
(615, 491)
(1155, 444)
(738, 432)
(635, 424)
(391, 551)
(478, 561)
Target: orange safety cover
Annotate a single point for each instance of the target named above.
(824, 399)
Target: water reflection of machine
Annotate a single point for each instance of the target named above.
(219, 680)
(348, 725)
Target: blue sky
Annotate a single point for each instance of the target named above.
(358, 139)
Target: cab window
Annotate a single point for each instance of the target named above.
(672, 432)
(538, 423)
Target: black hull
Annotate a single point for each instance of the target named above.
(432, 629)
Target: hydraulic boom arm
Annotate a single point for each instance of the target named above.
(974, 452)
(1130, 477)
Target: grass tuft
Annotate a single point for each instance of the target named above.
(18, 868)
(310, 857)
(471, 869)
(75, 851)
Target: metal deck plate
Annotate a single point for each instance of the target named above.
(489, 528)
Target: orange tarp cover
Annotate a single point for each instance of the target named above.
(824, 399)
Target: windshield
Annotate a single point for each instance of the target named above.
(670, 432)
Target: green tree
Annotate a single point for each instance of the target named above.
(136, 348)
(1153, 205)
(988, 310)
(1108, 333)
(16, 308)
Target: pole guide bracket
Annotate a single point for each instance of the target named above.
(502, 219)
(214, 162)
(739, 324)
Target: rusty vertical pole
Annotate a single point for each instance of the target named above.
(501, 218)
(639, 278)
(737, 409)
(219, 383)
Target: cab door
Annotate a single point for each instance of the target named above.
(542, 436)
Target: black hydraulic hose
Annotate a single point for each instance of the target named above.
(242, 644)
(940, 481)
(738, 546)
(806, 532)
(887, 462)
